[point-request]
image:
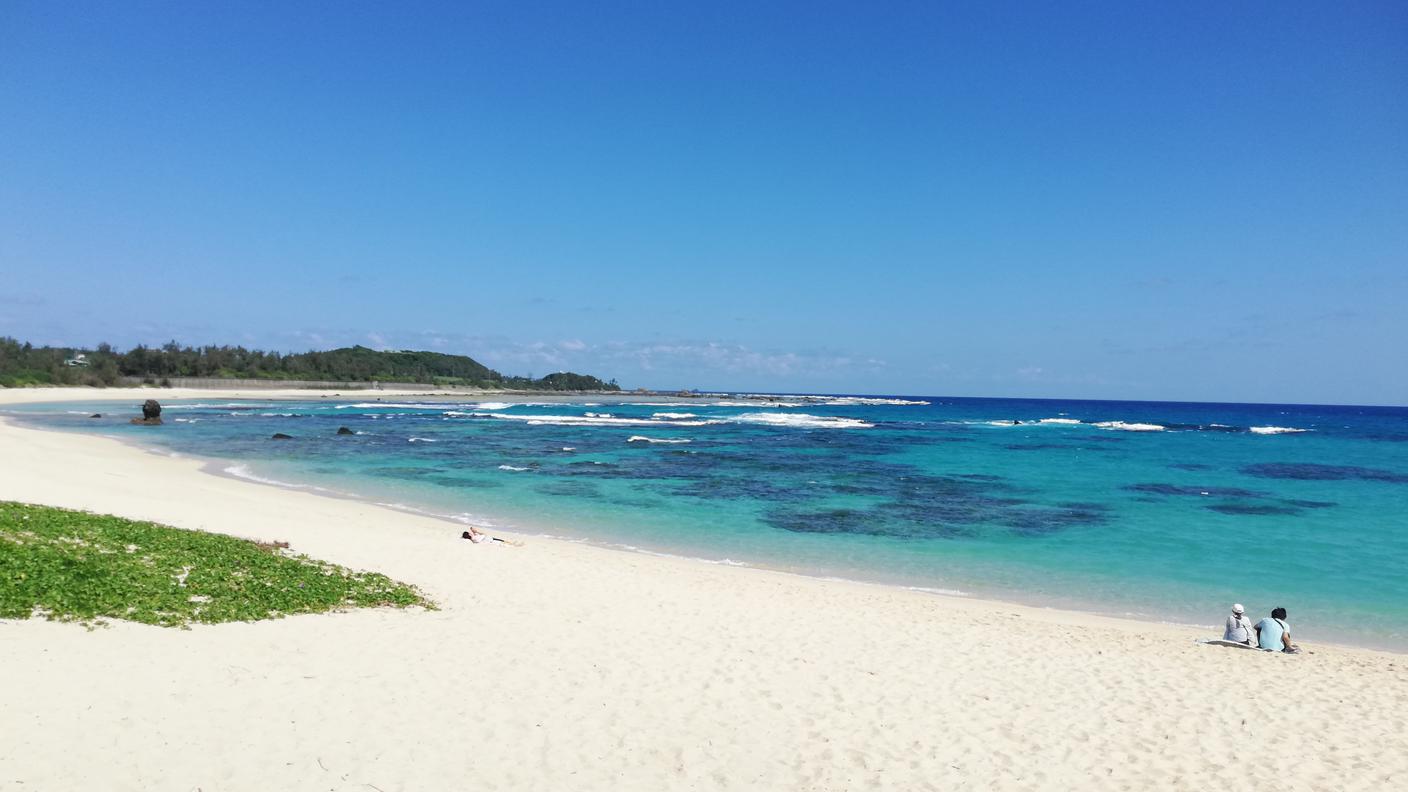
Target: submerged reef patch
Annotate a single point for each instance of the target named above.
(941, 507)
(570, 488)
(1309, 471)
(1181, 489)
(1252, 508)
(1312, 504)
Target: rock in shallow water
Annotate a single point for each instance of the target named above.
(151, 414)
(281, 436)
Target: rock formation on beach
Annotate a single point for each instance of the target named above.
(151, 414)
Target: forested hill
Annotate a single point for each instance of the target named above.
(25, 364)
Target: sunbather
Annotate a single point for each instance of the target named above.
(479, 537)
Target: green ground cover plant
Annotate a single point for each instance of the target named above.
(78, 566)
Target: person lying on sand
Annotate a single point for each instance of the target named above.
(479, 537)
(1239, 627)
(1274, 634)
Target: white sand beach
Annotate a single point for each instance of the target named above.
(562, 666)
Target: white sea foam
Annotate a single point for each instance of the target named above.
(400, 406)
(1271, 430)
(243, 471)
(422, 440)
(225, 406)
(798, 400)
(754, 404)
(931, 590)
(1130, 427)
(569, 448)
(276, 415)
(1059, 421)
(644, 439)
(513, 468)
(492, 406)
(584, 420)
(462, 517)
(658, 554)
(802, 420)
(870, 402)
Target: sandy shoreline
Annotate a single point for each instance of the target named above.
(560, 665)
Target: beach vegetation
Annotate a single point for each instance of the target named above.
(23, 364)
(78, 566)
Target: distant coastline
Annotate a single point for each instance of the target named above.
(25, 364)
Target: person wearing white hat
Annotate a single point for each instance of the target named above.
(1239, 627)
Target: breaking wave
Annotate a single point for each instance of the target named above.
(592, 419)
(843, 401)
(802, 420)
(1129, 427)
(395, 405)
(225, 406)
(753, 404)
(644, 439)
(1272, 430)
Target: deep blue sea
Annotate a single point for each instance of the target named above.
(1160, 511)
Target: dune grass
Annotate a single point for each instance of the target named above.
(78, 566)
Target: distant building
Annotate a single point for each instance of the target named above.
(77, 360)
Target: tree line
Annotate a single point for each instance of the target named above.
(22, 364)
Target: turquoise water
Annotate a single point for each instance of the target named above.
(1162, 511)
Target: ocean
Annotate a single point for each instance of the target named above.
(1165, 512)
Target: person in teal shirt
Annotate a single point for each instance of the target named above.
(1274, 634)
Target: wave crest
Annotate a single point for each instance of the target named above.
(1129, 427)
(802, 420)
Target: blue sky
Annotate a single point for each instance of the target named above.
(1106, 200)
